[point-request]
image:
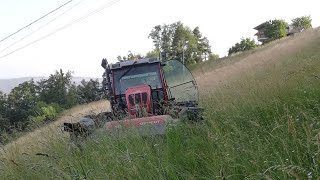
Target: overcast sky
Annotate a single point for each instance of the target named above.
(123, 27)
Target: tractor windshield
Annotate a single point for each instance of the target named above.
(135, 76)
(180, 82)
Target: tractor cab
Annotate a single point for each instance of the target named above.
(145, 87)
(136, 87)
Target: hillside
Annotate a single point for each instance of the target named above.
(262, 122)
(40, 135)
(6, 85)
(209, 73)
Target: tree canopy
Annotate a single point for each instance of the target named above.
(180, 42)
(303, 22)
(244, 45)
(21, 101)
(129, 57)
(55, 88)
(89, 91)
(276, 29)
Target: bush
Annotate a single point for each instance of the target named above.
(45, 112)
(213, 57)
(244, 45)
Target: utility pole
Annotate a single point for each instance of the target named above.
(183, 49)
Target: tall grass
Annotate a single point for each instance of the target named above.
(263, 124)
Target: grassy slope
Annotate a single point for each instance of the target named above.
(262, 121)
(33, 140)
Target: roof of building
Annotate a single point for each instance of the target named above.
(261, 26)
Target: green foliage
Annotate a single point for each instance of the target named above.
(119, 58)
(4, 122)
(276, 29)
(72, 97)
(155, 35)
(244, 45)
(213, 57)
(203, 48)
(303, 22)
(184, 44)
(3, 101)
(130, 57)
(55, 89)
(89, 91)
(21, 102)
(31, 104)
(153, 54)
(180, 43)
(45, 112)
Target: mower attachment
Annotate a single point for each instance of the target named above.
(154, 125)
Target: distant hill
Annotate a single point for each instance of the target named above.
(6, 85)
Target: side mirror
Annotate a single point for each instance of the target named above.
(104, 63)
(163, 56)
(106, 87)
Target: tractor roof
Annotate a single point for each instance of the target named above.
(119, 65)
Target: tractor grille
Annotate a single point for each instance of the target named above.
(138, 99)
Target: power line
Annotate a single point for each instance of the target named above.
(63, 27)
(41, 27)
(36, 20)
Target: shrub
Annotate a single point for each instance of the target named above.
(45, 112)
(244, 45)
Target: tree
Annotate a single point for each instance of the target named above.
(72, 98)
(276, 29)
(2, 103)
(179, 42)
(55, 88)
(213, 57)
(153, 54)
(44, 112)
(244, 45)
(130, 57)
(166, 38)
(119, 58)
(89, 91)
(303, 22)
(4, 122)
(203, 49)
(184, 45)
(155, 35)
(21, 102)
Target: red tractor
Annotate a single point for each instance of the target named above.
(143, 94)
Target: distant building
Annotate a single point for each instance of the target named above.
(292, 30)
(260, 34)
(262, 27)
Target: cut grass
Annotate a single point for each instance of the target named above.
(261, 123)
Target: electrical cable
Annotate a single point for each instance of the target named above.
(63, 27)
(36, 20)
(41, 27)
